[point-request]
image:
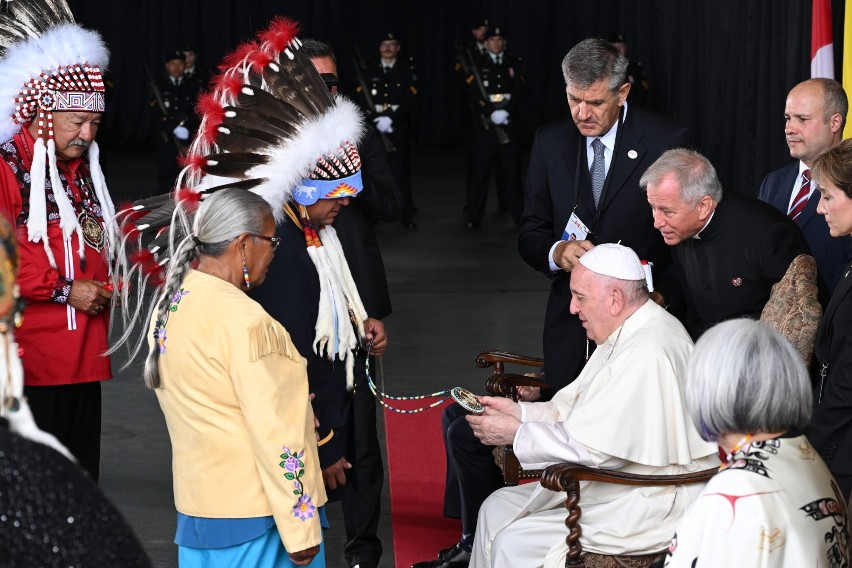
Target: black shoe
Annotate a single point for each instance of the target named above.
(409, 224)
(452, 557)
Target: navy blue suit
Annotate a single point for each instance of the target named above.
(832, 254)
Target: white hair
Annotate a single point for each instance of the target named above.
(744, 376)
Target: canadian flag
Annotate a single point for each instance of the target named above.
(822, 43)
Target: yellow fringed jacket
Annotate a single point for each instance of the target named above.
(234, 391)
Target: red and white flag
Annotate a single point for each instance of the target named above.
(822, 42)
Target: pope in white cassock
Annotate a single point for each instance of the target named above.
(625, 411)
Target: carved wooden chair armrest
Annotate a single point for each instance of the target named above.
(567, 477)
(501, 383)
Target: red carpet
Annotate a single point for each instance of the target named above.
(416, 466)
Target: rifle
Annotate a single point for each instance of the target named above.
(158, 96)
(470, 68)
(358, 60)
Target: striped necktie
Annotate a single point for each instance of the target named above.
(802, 197)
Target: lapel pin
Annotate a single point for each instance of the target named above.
(737, 281)
(632, 154)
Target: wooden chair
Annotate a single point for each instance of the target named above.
(567, 478)
(501, 383)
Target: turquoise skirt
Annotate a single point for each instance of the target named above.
(263, 551)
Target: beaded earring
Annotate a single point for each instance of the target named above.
(246, 274)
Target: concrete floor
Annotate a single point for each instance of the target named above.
(455, 292)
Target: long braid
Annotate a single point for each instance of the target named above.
(185, 253)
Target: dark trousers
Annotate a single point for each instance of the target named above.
(72, 413)
(363, 492)
(400, 165)
(471, 472)
(487, 155)
(167, 163)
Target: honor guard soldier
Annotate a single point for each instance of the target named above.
(388, 89)
(173, 103)
(495, 85)
(639, 88)
(194, 70)
(478, 31)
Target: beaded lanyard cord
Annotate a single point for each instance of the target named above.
(464, 397)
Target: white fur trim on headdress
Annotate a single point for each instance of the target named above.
(294, 161)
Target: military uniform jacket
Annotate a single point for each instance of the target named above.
(503, 84)
(394, 92)
(728, 272)
(179, 102)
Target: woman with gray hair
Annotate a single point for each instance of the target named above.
(234, 391)
(773, 502)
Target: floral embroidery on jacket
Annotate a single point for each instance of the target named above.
(294, 468)
(160, 327)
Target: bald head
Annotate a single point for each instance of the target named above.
(814, 116)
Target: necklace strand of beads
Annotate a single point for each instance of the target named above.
(382, 397)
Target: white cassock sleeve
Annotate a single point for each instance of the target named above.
(538, 445)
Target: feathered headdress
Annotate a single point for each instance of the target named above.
(270, 126)
(49, 64)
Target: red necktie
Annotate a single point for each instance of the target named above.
(801, 197)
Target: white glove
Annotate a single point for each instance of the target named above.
(384, 124)
(500, 116)
(180, 132)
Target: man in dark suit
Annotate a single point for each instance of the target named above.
(728, 249)
(379, 200)
(559, 188)
(558, 185)
(814, 117)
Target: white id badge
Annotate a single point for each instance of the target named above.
(575, 230)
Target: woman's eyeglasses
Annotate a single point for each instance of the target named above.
(275, 241)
